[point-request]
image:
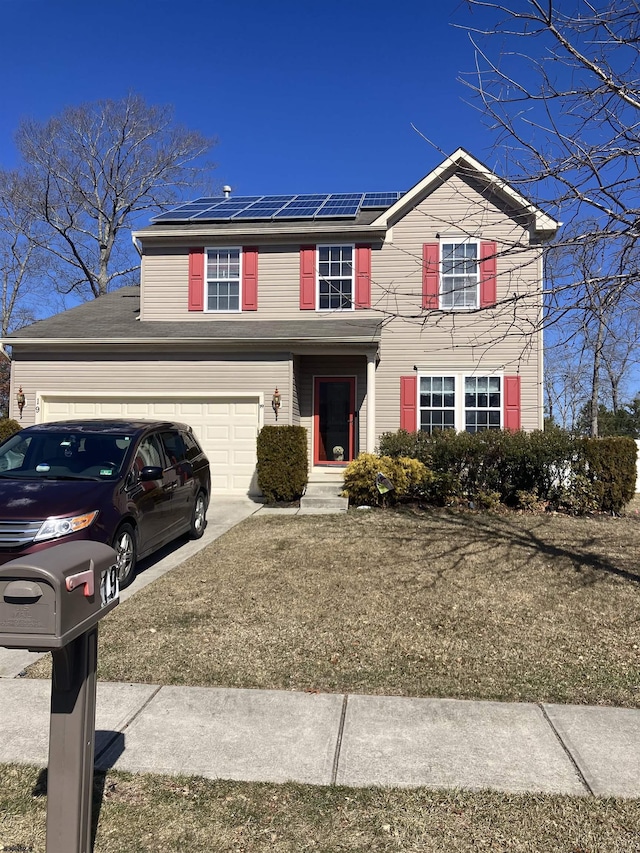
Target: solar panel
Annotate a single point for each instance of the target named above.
(380, 199)
(265, 208)
(227, 208)
(309, 206)
(341, 204)
(302, 207)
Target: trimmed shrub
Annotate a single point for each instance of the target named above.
(610, 465)
(409, 478)
(8, 427)
(283, 469)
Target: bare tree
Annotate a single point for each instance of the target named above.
(560, 85)
(563, 93)
(90, 171)
(22, 286)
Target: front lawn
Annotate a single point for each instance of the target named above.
(438, 603)
(148, 814)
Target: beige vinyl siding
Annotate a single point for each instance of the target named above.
(129, 373)
(475, 342)
(481, 342)
(165, 286)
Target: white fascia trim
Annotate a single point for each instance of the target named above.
(71, 342)
(206, 232)
(543, 222)
(151, 395)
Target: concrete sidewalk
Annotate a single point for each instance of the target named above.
(325, 739)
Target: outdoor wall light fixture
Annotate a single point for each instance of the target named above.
(20, 400)
(275, 402)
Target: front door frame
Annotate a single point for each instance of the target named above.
(350, 449)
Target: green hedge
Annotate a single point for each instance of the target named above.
(520, 469)
(8, 427)
(282, 463)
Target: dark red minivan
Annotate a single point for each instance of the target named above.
(133, 484)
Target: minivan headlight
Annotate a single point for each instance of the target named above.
(54, 528)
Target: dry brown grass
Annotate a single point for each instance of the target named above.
(438, 603)
(147, 814)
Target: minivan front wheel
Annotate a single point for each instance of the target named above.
(198, 516)
(124, 544)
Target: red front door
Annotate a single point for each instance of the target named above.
(334, 420)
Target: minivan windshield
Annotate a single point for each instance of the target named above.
(59, 455)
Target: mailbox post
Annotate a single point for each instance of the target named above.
(53, 601)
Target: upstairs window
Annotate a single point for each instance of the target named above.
(335, 278)
(459, 275)
(223, 279)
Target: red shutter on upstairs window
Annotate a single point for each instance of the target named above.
(196, 279)
(307, 278)
(363, 277)
(409, 403)
(430, 274)
(512, 404)
(250, 278)
(488, 273)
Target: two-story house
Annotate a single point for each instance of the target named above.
(351, 314)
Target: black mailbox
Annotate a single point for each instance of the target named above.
(53, 596)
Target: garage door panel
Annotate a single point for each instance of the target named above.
(227, 428)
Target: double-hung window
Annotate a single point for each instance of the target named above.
(459, 278)
(482, 403)
(459, 274)
(437, 403)
(223, 279)
(460, 402)
(335, 278)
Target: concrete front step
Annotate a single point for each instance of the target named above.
(328, 490)
(335, 504)
(325, 495)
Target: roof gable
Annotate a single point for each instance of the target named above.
(462, 161)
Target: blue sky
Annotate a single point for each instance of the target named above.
(302, 96)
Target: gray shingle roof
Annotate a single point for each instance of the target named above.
(114, 317)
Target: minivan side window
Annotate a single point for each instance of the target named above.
(193, 450)
(174, 447)
(148, 453)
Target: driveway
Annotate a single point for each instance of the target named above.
(224, 513)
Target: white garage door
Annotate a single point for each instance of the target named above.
(226, 427)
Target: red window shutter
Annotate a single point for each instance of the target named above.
(409, 403)
(363, 277)
(196, 279)
(430, 275)
(250, 278)
(307, 278)
(488, 274)
(512, 406)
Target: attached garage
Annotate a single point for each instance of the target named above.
(226, 427)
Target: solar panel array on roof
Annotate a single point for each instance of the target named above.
(311, 206)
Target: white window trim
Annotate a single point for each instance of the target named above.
(459, 391)
(458, 239)
(352, 307)
(208, 249)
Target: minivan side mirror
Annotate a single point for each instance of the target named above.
(151, 472)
